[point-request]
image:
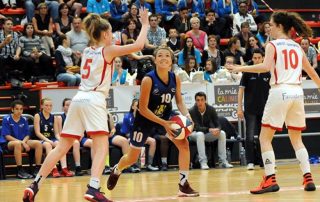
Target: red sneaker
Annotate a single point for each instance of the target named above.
(268, 184)
(308, 182)
(55, 173)
(66, 173)
(187, 191)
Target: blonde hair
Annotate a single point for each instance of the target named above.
(94, 25)
(44, 99)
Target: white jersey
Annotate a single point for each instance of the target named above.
(96, 73)
(288, 62)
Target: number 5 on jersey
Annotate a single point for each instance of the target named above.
(86, 69)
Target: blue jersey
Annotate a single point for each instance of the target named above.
(46, 126)
(160, 99)
(18, 130)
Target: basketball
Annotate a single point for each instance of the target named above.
(183, 126)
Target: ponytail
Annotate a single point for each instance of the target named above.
(94, 25)
(291, 19)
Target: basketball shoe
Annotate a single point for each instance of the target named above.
(30, 192)
(66, 173)
(55, 173)
(95, 195)
(187, 191)
(308, 182)
(268, 184)
(113, 178)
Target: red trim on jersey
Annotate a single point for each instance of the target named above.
(272, 127)
(70, 136)
(103, 71)
(98, 132)
(296, 128)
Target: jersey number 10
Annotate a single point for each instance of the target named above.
(291, 57)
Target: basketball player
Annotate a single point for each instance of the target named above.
(88, 111)
(158, 88)
(285, 60)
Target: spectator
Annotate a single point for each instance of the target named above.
(200, 38)
(119, 75)
(9, 41)
(210, 69)
(64, 21)
(211, 5)
(254, 87)
(156, 35)
(244, 35)
(43, 26)
(30, 5)
(76, 145)
(264, 34)
(174, 41)
(227, 9)
(134, 14)
(127, 127)
(188, 50)
(75, 6)
(212, 52)
(182, 23)
(143, 3)
(252, 8)
(207, 129)
(15, 129)
(101, 7)
(243, 16)
(33, 53)
(195, 8)
(67, 72)
(119, 12)
(160, 135)
(46, 129)
(215, 26)
(167, 9)
(78, 39)
(191, 65)
(253, 43)
(130, 32)
(234, 51)
(310, 52)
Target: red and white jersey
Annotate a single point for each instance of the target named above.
(96, 73)
(288, 62)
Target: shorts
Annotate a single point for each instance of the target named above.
(140, 134)
(285, 104)
(87, 112)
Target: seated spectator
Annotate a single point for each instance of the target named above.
(207, 129)
(13, 4)
(75, 7)
(227, 9)
(67, 72)
(200, 38)
(64, 21)
(234, 51)
(33, 53)
(182, 23)
(264, 34)
(119, 75)
(127, 128)
(188, 50)
(76, 144)
(119, 12)
(212, 52)
(43, 26)
(195, 8)
(160, 134)
(310, 52)
(168, 10)
(253, 9)
(210, 69)
(252, 44)
(243, 16)
(145, 4)
(244, 35)
(101, 7)
(30, 5)
(15, 129)
(174, 41)
(130, 32)
(134, 14)
(46, 129)
(156, 35)
(9, 41)
(191, 65)
(215, 26)
(78, 39)
(211, 5)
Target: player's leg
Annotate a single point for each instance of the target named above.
(184, 162)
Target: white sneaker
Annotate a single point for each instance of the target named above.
(204, 166)
(225, 165)
(152, 168)
(250, 166)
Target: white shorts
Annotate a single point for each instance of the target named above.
(285, 105)
(87, 112)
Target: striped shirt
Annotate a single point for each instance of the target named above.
(27, 45)
(9, 49)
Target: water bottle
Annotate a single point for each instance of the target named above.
(243, 160)
(228, 155)
(142, 157)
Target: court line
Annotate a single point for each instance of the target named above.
(209, 195)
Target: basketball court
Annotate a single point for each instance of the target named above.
(213, 185)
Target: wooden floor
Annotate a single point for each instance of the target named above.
(213, 185)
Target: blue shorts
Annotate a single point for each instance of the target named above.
(140, 134)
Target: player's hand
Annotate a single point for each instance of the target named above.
(169, 129)
(233, 68)
(144, 18)
(240, 114)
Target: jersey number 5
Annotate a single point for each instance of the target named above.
(291, 57)
(86, 69)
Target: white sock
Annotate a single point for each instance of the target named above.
(77, 164)
(39, 179)
(303, 157)
(164, 160)
(183, 174)
(269, 162)
(116, 170)
(94, 182)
